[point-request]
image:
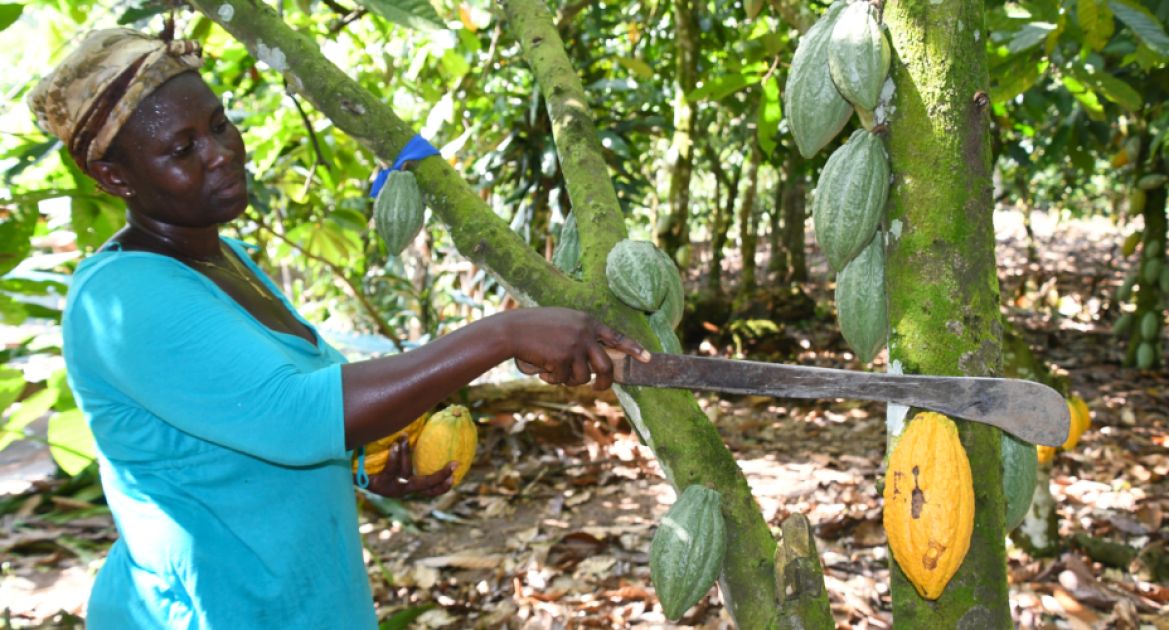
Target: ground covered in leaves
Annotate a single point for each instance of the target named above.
(552, 527)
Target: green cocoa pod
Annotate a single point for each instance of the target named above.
(1150, 325)
(1163, 281)
(636, 275)
(1151, 272)
(850, 197)
(660, 323)
(815, 110)
(1154, 249)
(1136, 202)
(566, 256)
(1145, 355)
(1122, 325)
(675, 301)
(1154, 180)
(858, 55)
(1130, 244)
(1124, 292)
(1020, 462)
(686, 554)
(861, 302)
(398, 212)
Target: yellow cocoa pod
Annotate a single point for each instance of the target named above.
(377, 452)
(449, 436)
(1081, 420)
(1045, 453)
(929, 503)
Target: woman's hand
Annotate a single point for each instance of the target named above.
(397, 479)
(566, 347)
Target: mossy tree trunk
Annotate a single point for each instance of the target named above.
(942, 284)
(670, 422)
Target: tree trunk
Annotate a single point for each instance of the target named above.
(723, 215)
(749, 225)
(795, 194)
(777, 257)
(674, 230)
(942, 286)
(687, 445)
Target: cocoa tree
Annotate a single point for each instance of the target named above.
(940, 272)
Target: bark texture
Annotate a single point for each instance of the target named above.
(942, 286)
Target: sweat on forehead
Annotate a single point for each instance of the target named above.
(91, 94)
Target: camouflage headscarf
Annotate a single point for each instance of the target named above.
(92, 93)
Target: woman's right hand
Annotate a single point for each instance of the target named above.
(566, 347)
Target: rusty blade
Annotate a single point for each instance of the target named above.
(1028, 410)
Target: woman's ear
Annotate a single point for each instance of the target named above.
(111, 177)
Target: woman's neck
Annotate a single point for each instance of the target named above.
(180, 241)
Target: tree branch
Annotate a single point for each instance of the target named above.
(586, 175)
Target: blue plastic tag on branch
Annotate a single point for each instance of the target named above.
(416, 149)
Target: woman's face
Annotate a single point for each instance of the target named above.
(178, 159)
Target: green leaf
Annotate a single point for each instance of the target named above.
(1085, 96)
(29, 410)
(71, 442)
(9, 14)
(753, 7)
(1119, 92)
(1095, 19)
(721, 87)
(403, 618)
(639, 68)
(770, 112)
(11, 384)
(1013, 78)
(1030, 36)
(417, 14)
(15, 231)
(1143, 24)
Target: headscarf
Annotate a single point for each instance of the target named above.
(92, 93)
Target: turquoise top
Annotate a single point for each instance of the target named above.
(222, 452)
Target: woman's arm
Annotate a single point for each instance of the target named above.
(383, 395)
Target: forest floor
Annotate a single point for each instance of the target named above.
(552, 527)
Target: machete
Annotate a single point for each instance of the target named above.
(1028, 410)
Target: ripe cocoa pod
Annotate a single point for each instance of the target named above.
(636, 275)
(1045, 454)
(816, 111)
(858, 55)
(687, 551)
(861, 305)
(448, 436)
(929, 503)
(398, 212)
(850, 197)
(378, 451)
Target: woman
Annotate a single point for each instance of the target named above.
(223, 420)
